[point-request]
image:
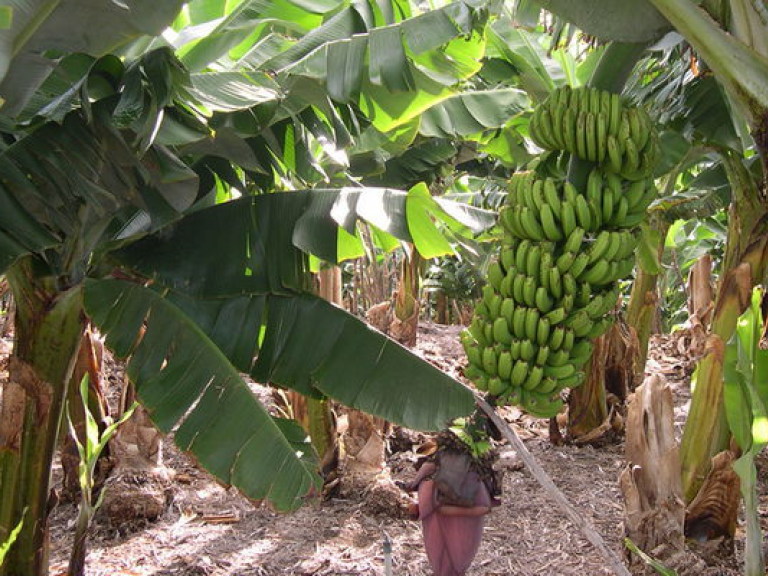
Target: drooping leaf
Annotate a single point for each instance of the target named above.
(189, 387)
(421, 162)
(472, 112)
(40, 26)
(527, 58)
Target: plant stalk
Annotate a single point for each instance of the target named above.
(49, 327)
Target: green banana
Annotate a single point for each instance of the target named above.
(490, 362)
(569, 284)
(580, 323)
(614, 154)
(565, 261)
(555, 284)
(547, 386)
(507, 257)
(559, 372)
(574, 240)
(521, 254)
(548, 223)
(542, 331)
(568, 339)
(556, 316)
(597, 273)
(595, 186)
(501, 331)
(529, 291)
(535, 374)
(527, 350)
(583, 215)
(567, 218)
(504, 368)
(474, 356)
(558, 357)
(544, 266)
(531, 323)
(542, 355)
(541, 405)
(476, 329)
(506, 284)
(581, 135)
(507, 310)
(531, 225)
(620, 212)
(495, 275)
(543, 300)
(574, 380)
(600, 327)
(519, 373)
(552, 196)
(496, 386)
(518, 322)
(579, 264)
(556, 337)
(532, 260)
(518, 284)
(599, 246)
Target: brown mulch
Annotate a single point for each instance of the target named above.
(207, 529)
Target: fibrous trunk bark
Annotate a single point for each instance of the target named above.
(746, 261)
(595, 409)
(654, 508)
(49, 325)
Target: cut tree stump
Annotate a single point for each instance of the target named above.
(655, 511)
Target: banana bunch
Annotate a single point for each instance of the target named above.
(596, 126)
(550, 292)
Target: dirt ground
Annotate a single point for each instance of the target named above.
(207, 529)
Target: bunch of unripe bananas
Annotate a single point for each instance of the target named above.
(555, 281)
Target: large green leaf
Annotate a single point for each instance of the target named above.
(472, 112)
(233, 28)
(420, 162)
(263, 236)
(620, 20)
(305, 343)
(250, 301)
(190, 388)
(520, 50)
(73, 177)
(48, 26)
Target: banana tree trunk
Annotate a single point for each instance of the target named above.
(316, 414)
(587, 407)
(49, 327)
(643, 305)
(746, 261)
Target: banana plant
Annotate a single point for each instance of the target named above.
(730, 38)
(746, 401)
(119, 175)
